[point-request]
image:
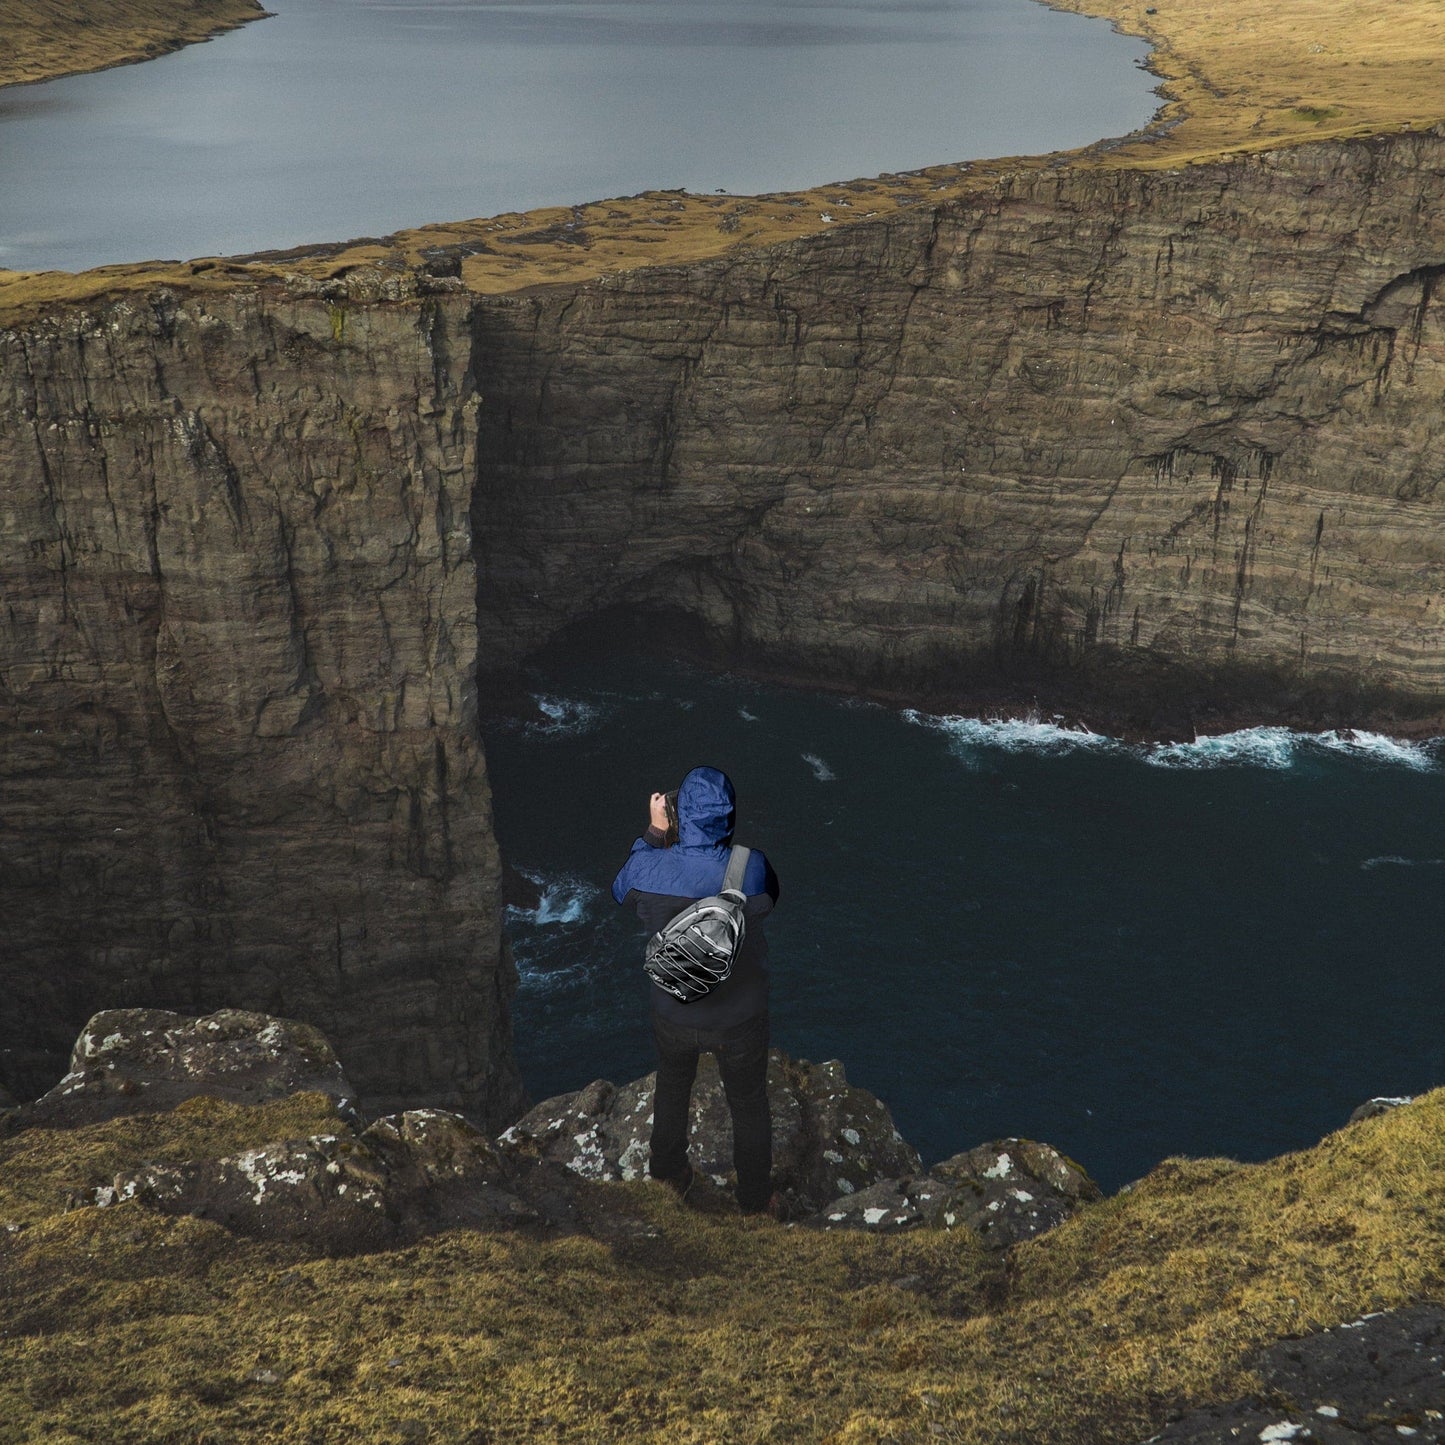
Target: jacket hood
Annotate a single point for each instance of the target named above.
(705, 808)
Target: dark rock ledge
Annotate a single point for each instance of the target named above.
(1376, 1379)
(361, 1187)
(838, 1157)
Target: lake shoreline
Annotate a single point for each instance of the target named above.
(59, 52)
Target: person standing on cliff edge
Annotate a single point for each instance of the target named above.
(731, 1021)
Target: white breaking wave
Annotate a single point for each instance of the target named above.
(821, 770)
(1395, 751)
(1257, 747)
(564, 716)
(544, 938)
(1012, 735)
(1262, 747)
(563, 900)
(1393, 860)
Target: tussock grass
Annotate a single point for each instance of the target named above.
(41, 39)
(119, 1325)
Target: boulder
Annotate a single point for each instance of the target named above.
(888, 1207)
(406, 1176)
(1373, 1108)
(1012, 1189)
(829, 1138)
(133, 1061)
(1006, 1191)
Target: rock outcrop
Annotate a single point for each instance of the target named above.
(1176, 433)
(407, 1176)
(133, 1061)
(1378, 1378)
(1006, 1192)
(1173, 436)
(829, 1138)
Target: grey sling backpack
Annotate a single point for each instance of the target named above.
(695, 952)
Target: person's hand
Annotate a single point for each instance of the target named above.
(658, 806)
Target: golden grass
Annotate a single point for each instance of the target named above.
(1238, 74)
(1252, 74)
(120, 1325)
(41, 39)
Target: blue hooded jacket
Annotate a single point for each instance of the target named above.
(660, 882)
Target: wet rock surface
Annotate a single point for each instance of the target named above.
(828, 1136)
(1377, 1379)
(129, 1061)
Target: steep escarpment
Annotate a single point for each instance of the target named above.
(1178, 432)
(236, 654)
(1170, 437)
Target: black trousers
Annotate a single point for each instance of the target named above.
(742, 1057)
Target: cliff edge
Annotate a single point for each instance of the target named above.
(1168, 440)
(404, 1281)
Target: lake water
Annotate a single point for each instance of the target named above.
(1006, 929)
(342, 118)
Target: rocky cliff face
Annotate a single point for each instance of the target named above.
(237, 648)
(1173, 433)
(1177, 432)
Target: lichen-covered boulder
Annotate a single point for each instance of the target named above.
(829, 1138)
(132, 1061)
(1010, 1190)
(406, 1176)
(442, 1173)
(1006, 1191)
(888, 1207)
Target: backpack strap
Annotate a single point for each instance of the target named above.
(737, 867)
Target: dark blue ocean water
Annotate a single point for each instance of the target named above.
(1006, 929)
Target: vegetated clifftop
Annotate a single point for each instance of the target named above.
(409, 1279)
(1170, 436)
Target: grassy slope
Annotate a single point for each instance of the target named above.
(1237, 74)
(118, 1325)
(40, 39)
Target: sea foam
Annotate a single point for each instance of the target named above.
(821, 770)
(1275, 748)
(1011, 735)
(564, 716)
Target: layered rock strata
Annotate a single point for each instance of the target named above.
(1177, 431)
(237, 707)
(1176, 434)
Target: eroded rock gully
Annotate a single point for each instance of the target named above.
(1174, 432)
